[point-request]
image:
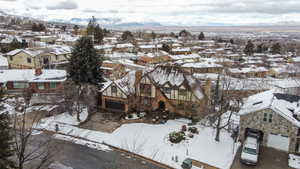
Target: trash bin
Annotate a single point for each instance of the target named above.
(187, 164)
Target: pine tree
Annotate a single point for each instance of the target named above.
(91, 26)
(127, 36)
(98, 35)
(15, 44)
(249, 49)
(201, 36)
(276, 48)
(153, 35)
(5, 139)
(76, 28)
(166, 48)
(85, 64)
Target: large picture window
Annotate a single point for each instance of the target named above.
(53, 85)
(20, 85)
(41, 86)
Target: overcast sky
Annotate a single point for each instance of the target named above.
(167, 12)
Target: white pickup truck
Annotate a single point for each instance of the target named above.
(250, 151)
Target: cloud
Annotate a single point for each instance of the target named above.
(66, 4)
(175, 12)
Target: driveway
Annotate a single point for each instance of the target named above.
(269, 159)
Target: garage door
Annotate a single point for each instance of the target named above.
(116, 105)
(278, 142)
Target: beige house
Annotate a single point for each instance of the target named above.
(23, 58)
(37, 58)
(276, 117)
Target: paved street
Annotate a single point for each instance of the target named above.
(268, 159)
(81, 157)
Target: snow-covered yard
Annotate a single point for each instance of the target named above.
(152, 141)
(294, 161)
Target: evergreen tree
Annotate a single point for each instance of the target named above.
(5, 139)
(231, 41)
(98, 35)
(260, 48)
(276, 48)
(15, 44)
(184, 33)
(127, 36)
(76, 28)
(249, 49)
(153, 35)
(201, 36)
(84, 66)
(91, 26)
(166, 48)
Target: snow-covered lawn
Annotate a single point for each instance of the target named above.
(294, 161)
(152, 141)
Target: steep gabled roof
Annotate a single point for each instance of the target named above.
(287, 106)
(175, 77)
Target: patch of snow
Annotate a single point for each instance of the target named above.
(294, 161)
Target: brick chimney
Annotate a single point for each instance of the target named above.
(38, 71)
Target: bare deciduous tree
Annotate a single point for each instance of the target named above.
(30, 152)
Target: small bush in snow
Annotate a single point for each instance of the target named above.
(183, 128)
(193, 130)
(130, 116)
(176, 137)
(191, 135)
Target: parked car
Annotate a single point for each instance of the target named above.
(250, 151)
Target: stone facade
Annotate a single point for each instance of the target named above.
(278, 125)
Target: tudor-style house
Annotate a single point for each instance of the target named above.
(115, 96)
(173, 89)
(163, 88)
(276, 117)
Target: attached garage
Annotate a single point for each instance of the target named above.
(278, 142)
(115, 105)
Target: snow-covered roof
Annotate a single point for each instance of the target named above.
(30, 52)
(59, 50)
(176, 78)
(28, 75)
(285, 105)
(248, 69)
(181, 50)
(125, 45)
(204, 64)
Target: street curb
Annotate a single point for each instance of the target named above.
(139, 156)
(117, 149)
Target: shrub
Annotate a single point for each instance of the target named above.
(191, 135)
(130, 116)
(176, 137)
(193, 130)
(195, 120)
(183, 128)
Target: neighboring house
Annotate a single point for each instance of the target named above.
(3, 62)
(116, 95)
(276, 117)
(38, 80)
(23, 58)
(249, 72)
(38, 58)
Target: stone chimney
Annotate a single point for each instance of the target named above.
(38, 71)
